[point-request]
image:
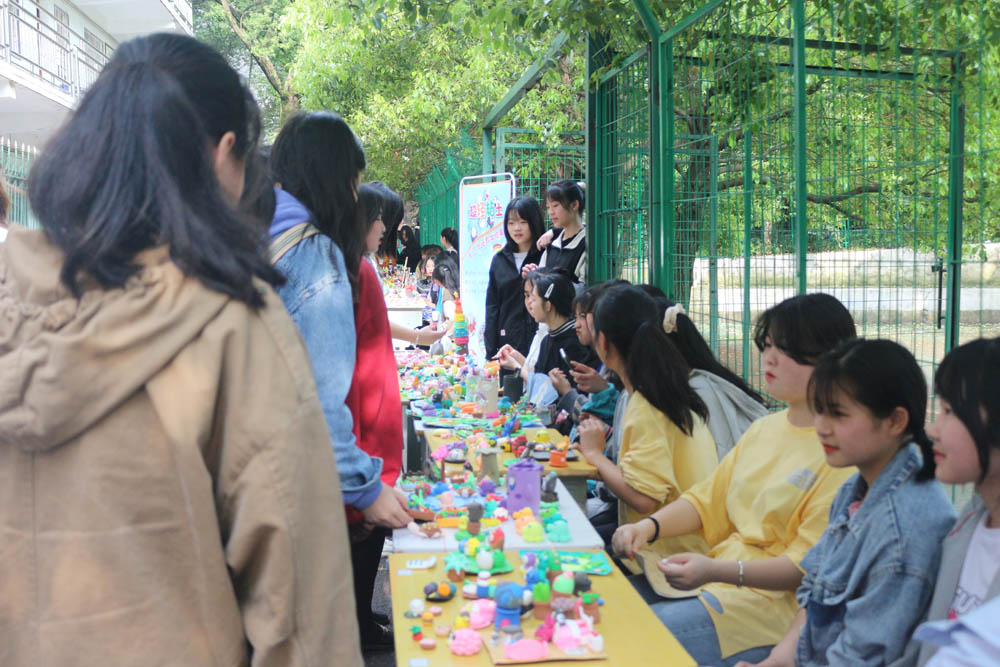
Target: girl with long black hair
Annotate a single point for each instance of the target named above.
(167, 474)
(318, 241)
(507, 320)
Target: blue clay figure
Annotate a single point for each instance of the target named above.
(558, 531)
(508, 597)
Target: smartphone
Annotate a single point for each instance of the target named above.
(562, 353)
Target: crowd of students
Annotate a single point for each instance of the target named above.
(199, 324)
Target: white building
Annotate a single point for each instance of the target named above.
(52, 50)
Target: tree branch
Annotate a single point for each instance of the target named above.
(266, 66)
(868, 188)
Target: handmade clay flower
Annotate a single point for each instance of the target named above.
(465, 642)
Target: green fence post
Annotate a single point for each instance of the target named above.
(659, 257)
(598, 229)
(487, 150)
(748, 187)
(956, 187)
(799, 132)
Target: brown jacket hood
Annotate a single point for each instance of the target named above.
(67, 363)
(168, 493)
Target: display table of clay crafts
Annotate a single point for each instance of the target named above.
(577, 533)
(557, 607)
(574, 473)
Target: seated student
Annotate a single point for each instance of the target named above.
(548, 296)
(666, 448)
(761, 510)
(594, 386)
(966, 437)
(732, 404)
(869, 578)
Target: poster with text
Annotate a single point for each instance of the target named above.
(480, 236)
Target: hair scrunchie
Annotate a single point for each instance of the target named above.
(670, 317)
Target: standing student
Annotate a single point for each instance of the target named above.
(507, 318)
(318, 242)
(666, 448)
(410, 255)
(168, 493)
(869, 578)
(566, 245)
(386, 255)
(966, 437)
(449, 239)
(549, 299)
(761, 510)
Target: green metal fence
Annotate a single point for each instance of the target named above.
(15, 163)
(534, 164)
(768, 149)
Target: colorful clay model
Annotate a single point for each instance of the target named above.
(472, 547)
(497, 540)
(442, 630)
(475, 516)
(533, 532)
(428, 618)
(563, 586)
(454, 566)
(417, 633)
(428, 643)
(549, 488)
(465, 642)
(581, 583)
(416, 608)
(527, 650)
(459, 332)
(508, 597)
(524, 486)
(483, 584)
(542, 595)
(592, 606)
(484, 559)
(442, 592)
(481, 613)
(558, 531)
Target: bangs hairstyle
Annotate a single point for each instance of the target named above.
(317, 159)
(133, 169)
(805, 327)
(392, 215)
(556, 287)
(565, 192)
(527, 209)
(881, 375)
(632, 322)
(370, 202)
(967, 379)
(586, 301)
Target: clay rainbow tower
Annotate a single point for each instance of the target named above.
(460, 334)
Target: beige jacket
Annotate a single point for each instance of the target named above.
(168, 495)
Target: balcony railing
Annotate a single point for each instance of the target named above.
(38, 43)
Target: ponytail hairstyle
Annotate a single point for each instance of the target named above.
(692, 346)
(555, 286)
(805, 327)
(527, 209)
(132, 169)
(631, 321)
(967, 379)
(566, 191)
(881, 375)
(446, 273)
(318, 160)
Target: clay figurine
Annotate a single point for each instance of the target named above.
(508, 598)
(465, 642)
(549, 488)
(542, 594)
(416, 608)
(475, 516)
(435, 592)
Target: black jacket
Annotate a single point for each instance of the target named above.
(410, 256)
(507, 320)
(571, 256)
(564, 338)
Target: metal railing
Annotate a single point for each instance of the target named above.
(35, 41)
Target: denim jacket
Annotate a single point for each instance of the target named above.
(869, 578)
(318, 297)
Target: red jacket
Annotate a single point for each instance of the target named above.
(374, 395)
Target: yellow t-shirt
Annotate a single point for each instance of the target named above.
(659, 460)
(770, 496)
